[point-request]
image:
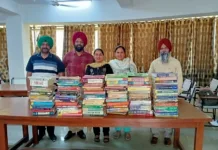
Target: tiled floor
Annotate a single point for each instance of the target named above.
(140, 140)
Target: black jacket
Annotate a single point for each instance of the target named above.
(103, 70)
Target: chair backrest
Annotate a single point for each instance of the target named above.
(213, 85)
(186, 85)
(193, 89)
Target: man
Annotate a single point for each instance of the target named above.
(165, 63)
(44, 64)
(75, 62)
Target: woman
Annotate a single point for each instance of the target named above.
(100, 67)
(122, 65)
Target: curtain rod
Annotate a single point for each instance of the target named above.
(96, 24)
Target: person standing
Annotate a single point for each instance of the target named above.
(75, 62)
(165, 63)
(44, 64)
(99, 67)
(122, 64)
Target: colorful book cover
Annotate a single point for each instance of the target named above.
(138, 79)
(117, 110)
(43, 113)
(70, 115)
(118, 104)
(93, 106)
(117, 113)
(117, 100)
(95, 81)
(68, 88)
(93, 85)
(139, 88)
(108, 76)
(69, 78)
(166, 104)
(98, 92)
(66, 104)
(133, 74)
(93, 109)
(119, 82)
(93, 76)
(43, 110)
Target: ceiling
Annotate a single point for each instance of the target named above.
(34, 1)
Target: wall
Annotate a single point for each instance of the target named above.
(18, 46)
(110, 10)
(10, 7)
(99, 11)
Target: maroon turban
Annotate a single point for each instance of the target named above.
(165, 42)
(80, 35)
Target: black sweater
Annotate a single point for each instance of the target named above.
(103, 70)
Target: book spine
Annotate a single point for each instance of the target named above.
(116, 100)
(117, 79)
(95, 81)
(93, 106)
(43, 113)
(92, 109)
(93, 113)
(138, 79)
(66, 104)
(165, 104)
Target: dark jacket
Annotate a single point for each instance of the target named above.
(103, 70)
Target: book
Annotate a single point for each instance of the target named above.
(93, 76)
(95, 81)
(43, 113)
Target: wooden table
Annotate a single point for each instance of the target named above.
(16, 111)
(16, 90)
(13, 90)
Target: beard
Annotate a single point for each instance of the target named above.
(79, 48)
(45, 50)
(164, 57)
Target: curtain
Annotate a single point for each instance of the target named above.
(3, 56)
(112, 35)
(124, 38)
(216, 49)
(144, 44)
(162, 29)
(50, 31)
(89, 30)
(202, 50)
(108, 39)
(180, 34)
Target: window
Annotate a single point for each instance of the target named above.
(59, 40)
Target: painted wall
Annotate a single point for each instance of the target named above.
(110, 10)
(18, 46)
(10, 7)
(100, 11)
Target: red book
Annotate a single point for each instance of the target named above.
(66, 103)
(61, 88)
(118, 104)
(43, 110)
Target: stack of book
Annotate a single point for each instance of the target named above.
(117, 96)
(41, 96)
(68, 96)
(165, 94)
(139, 90)
(94, 95)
